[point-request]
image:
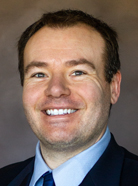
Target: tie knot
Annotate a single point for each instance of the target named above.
(48, 179)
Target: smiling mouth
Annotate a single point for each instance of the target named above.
(56, 112)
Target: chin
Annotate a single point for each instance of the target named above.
(61, 143)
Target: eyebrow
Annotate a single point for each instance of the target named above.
(69, 63)
(33, 64)
(81, 61)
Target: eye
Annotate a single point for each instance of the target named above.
(39, 75)
(78, 73)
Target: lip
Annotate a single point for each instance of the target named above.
(59, 107)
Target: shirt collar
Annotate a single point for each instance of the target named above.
(75, 168)
(40, 167)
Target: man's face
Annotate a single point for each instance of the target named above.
(65, 95)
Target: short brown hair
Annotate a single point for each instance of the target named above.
(68, 18)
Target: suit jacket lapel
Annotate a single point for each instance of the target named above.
(87, 181)
(107, 170)
(26, 180)
(24, 177)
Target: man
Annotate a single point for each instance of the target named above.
(70, 72)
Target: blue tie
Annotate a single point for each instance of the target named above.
(48, 179)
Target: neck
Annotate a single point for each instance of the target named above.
(55, 157)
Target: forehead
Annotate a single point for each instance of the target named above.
(65, 42)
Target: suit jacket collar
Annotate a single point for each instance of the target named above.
(107, 170)
(24, 177)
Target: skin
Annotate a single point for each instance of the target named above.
(64, 68)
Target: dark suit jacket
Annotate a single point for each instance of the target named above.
(116, 167)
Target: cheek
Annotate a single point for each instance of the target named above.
(31, 95)
(90, 92)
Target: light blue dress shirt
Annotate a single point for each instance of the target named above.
(73, 171)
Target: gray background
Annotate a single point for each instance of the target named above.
(17, 142)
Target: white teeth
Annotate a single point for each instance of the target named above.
(73, 111)
(55, 112)
(65, 111)
(61, 111)
(52, 112)
(48, 112)
(69, 111)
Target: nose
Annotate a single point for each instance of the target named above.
(57, 87)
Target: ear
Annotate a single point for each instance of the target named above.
(115, 87)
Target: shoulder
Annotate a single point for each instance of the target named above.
(126, 161)
(130, 160)
(129, 168)
(9, 172)
(16, 167)
(127, 156)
